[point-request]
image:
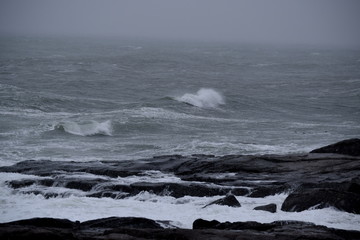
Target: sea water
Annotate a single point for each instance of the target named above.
(79, 99)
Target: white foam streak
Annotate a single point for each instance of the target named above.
(204, 98)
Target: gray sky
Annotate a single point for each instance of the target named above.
(274, 21)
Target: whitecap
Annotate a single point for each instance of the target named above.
(204, 98)
(88, 128)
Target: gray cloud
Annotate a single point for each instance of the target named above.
(278, 21)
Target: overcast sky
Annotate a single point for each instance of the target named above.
(275, 21)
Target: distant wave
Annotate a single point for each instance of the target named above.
(88, 128)
(204, 98)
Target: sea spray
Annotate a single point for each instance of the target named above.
(88, 128)
(204, 98)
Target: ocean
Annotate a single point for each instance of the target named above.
(92, 99)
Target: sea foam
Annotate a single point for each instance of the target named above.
(204, 98)
(88, 128)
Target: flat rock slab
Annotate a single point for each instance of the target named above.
(253, 176)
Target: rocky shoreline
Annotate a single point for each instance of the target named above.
(326, 177)
(142, 228)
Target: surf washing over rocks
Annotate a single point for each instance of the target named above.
(236, 188)
(115, 106)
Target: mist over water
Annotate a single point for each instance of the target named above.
(321, 23)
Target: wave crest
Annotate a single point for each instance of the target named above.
(88, 128)
(204, 98)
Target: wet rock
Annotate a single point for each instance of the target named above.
(204, 224)
(178, 190)
(199, 175)
(277, 230)
(269, 208)
(124, 222)
(229, 200)
(141, 228)
(343, 196)
(44, 222)
(354, 187)
(263, 191)
(21, 183)
(347, 147)
(119, 191)
(84, 185)
(28, 182)
(55, 168)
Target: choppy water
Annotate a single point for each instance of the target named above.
(112, 99)
(79, 99)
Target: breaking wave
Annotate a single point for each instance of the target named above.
(88, 128)
(204, 98)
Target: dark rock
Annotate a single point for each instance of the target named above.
(278, 230)
(119, 191)
(341, 196)
(84, 185)
(263, 191)
(44, 222)
(124, 222)
(28, 182)
(282, 233)
(21, 183)
(107, 194)
(204, 224)
(178, 190)
(140, 228)
(229, 200)
(317, 181)
(347, 147)
(202, 175)
(354, 187)
(267, 175)
(269, 208)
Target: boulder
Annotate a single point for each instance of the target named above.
(204, 224)
(344, 197)
(229, 200)
(269, 208)
(347, 147)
